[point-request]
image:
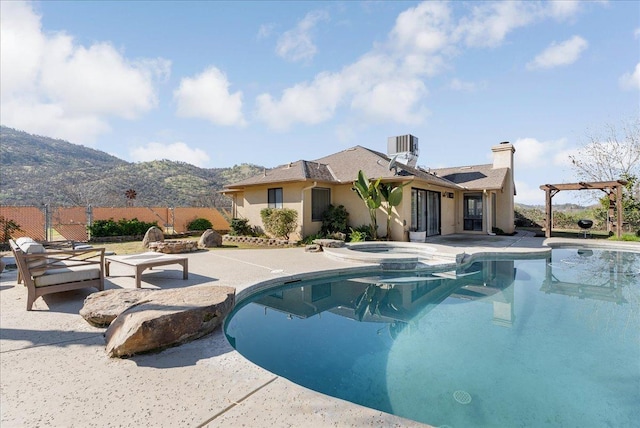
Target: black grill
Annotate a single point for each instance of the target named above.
(585, 224)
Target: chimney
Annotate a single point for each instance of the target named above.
(503, 155)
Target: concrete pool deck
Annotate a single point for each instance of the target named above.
(54, 370)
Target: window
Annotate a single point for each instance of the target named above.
(320, 200)
(275, 197)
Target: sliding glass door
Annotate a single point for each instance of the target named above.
(425, 211)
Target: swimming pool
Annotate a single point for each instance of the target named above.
(550, 341)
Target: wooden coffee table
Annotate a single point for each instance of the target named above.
(147, 261)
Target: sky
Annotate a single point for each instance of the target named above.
(216, 83)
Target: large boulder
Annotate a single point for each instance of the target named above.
(210, 238)
(154, 234)
(168, 318)
(101, 308)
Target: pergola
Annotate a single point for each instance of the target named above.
(611, 188)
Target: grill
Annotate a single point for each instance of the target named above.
(585, 225)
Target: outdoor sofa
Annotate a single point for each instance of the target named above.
(45, 271)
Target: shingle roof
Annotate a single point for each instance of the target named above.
(475, 177)
(295, 171)
(342, 167)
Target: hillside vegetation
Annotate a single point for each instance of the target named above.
(37, 170)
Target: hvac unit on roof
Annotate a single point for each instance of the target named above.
(404, 148)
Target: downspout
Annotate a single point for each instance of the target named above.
(315, 184)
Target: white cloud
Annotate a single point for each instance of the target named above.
(306, 103)
(563, 9)
(559, 54)
(490, 23)
(425, 28)
(297, 44)
(207, 96)
(636, 33)
(631, 81)
(394, 100)
(55, 87)
(177, 151)
(531, 153)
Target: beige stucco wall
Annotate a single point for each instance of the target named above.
(297, 196)
(505, 218)
(250, 202)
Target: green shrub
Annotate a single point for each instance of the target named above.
(335, 219)
(361, 233)
(307, 240)
(123, 227)
(279, 222)
(240, 227)
(199, 224)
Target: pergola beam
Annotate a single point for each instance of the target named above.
(609, 186)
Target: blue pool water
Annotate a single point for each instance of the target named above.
(553, 341)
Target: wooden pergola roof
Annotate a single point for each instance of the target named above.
(612, 188)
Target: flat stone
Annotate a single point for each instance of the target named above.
(101, 308)
(313, 248)
(174, 247)
(168, 318)
(329, 243)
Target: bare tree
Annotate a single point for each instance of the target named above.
(611, 154)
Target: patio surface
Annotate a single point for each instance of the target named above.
(54, 370)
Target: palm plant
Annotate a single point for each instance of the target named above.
(369, 192)
(392, 194)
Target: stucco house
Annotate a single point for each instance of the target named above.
(464, 199)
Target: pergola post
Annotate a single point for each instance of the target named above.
(548, 211)
(620, 211)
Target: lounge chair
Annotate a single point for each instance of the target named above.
(53, 271)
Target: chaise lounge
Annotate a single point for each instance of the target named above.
(53, 271)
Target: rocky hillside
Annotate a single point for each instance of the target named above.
(37, 170)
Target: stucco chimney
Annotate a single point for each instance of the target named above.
(503, 155)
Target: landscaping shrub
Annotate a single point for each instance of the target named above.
(240, 227)
(307, 240)
(360, 233)
(357, 236)
(335, 219)
(123, 227)
(279, 222)
(199, 224)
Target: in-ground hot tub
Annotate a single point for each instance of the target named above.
(392, 255)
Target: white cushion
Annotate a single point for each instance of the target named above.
(22, 240)
(32, 248)
(64, 275)
(36, 266)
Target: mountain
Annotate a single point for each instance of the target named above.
(37, 170)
